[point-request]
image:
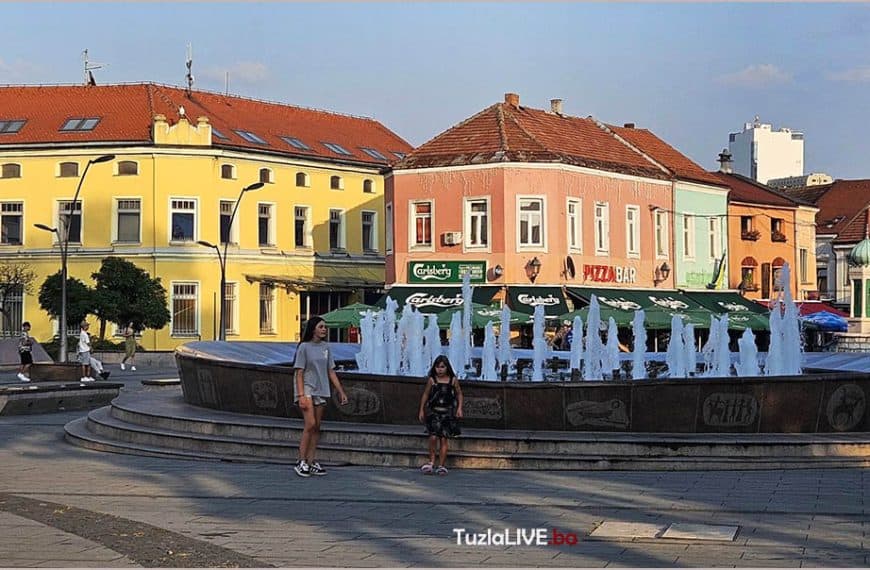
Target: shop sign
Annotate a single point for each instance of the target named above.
(439, 300)
(533, 300)
(609, 274)
(445, 271)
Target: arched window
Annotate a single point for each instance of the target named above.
(68, 169)
(128, 168)
(336, 183)
(748, 274)
(11, 170)
(776, 273)
(228, 171)
(266, 176)
(368, 186)
(302, 180)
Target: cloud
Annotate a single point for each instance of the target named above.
(856, 74)
(18, 70)
(756, 75)
(242, 72)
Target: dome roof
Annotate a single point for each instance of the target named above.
(860, 254)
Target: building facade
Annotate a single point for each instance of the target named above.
(309, 240)
(760, 153)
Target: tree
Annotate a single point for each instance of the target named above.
(79, 299)
(15, 279)
(126, 293)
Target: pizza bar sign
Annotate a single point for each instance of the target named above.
(609, 274)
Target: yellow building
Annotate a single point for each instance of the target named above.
(309, 240)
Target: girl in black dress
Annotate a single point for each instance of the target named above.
(440, 408)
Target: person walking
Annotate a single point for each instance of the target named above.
(314, 369)
(25, 352)
(84, 352)
(129, 347)
(440, 407)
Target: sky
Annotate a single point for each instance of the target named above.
(691, 73)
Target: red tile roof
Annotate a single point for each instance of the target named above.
(748, 191)
(660, 151)
(841, 207)
(504, 132)
(126, 113)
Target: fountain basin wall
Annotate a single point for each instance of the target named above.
(820, 402)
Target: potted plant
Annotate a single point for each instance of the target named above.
(750, 235)
(777, 236)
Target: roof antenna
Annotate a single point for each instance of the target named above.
(227, 83)
(189, 66)
(89, 77)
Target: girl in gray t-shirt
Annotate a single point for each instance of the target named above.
(313, 371)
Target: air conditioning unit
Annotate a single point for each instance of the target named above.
(451, 238)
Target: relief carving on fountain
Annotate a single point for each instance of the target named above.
(846, 407)
(609, 413)
(730, 410)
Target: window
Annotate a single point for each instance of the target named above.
(661, 235)
(301, 229)
(266, 176)
(13, 309)
(71, 218)
(228, 234)
(399, 155)
(230, 306)
(228, 171)
(369, 237)
(250, 137)
(302, 180)
(128, 168)
(264, 225)
(477, 223)
(388, 214)
(804, 262)
(747, 278)
(10, 170)
(294, 142)
(267, 308)
(421, 226)
(689, 236)
(183, 220)
(776, 230)
(373, 153)
(632, 231)
(575, 237)
(219, 134)
(602, 228)
(368, 186)
(11, 214)
(336, 183)
(714, 243)
(337, 148)
(185, 312)
(746, 225)
(68, 169)
(336, 230)
(79, 124)
(531, 231)
(11, 127)
(129, 214)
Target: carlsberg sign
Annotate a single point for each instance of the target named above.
(433, 272)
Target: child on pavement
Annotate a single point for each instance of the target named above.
(84, 352)
(440, 407)
(25, 352)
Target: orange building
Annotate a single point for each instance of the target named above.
(770, 229)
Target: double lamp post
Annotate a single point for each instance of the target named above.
(62, 233)
(222, 258)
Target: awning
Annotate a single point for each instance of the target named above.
(436, 299)
(808, 307)
(525, 299)
(337, 282)
(634, 299)
(742, 313)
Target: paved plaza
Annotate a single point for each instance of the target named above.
(65, 506)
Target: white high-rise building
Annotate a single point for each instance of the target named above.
(761, 153)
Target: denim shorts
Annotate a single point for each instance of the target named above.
(316, 400)
(85, 358)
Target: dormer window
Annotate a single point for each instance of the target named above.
(294, 142)
(374, 153)
(79, 124)
(250, 137)
(219, 134)
(400, 155)
(11, 127)
(337, 148)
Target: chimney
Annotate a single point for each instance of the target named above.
(628, 125)
(725, 161)
(556, 106)
(512, 99)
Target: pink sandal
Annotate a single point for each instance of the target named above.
(427, 468)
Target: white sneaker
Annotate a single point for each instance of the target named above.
(123, 366)
(87, 379)
(133, 368)
(22, 377)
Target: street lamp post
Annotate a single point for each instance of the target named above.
(63, 238)
(222, 258)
